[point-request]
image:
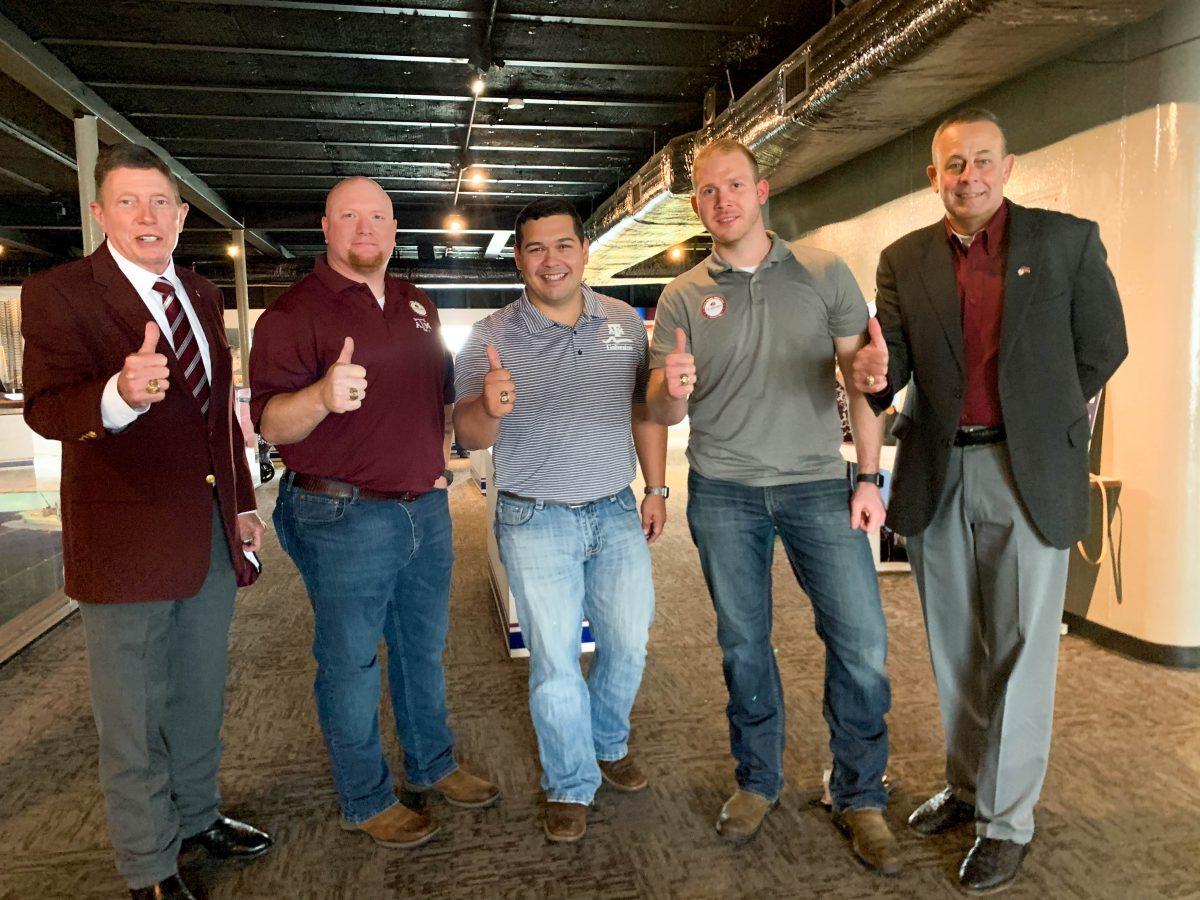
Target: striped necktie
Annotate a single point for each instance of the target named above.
(186, 349)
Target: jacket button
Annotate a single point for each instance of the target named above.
(210, 479)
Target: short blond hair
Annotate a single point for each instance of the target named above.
(726, 145)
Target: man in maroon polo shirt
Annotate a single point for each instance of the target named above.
(351, 381)
(1007, 321)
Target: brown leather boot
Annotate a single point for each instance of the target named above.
(623, 774)
(397, 827)
(742, 816)
(461, 788)
(565, 823)
(871, 839)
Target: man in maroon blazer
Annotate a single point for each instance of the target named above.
(127, 364)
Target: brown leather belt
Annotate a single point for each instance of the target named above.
(978, 435)
(331, 487)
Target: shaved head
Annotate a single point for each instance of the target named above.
(360, 228)
(361, 187)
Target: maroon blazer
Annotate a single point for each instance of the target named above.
(136, 505)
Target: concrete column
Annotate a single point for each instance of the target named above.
(87, 146)
(242, 289)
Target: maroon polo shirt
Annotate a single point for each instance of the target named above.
(393, 442)
(979, 273)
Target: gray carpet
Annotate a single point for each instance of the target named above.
(1117, 819)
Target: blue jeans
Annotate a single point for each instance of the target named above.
(734, 527)
(375, 569)
(564, 564)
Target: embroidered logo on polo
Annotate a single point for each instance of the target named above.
(616, 339)
(416, 307)
(713, 307)
(419, 309)
(423, 325)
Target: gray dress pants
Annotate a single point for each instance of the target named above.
(158, 697)
(992, 592)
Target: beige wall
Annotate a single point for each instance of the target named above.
(1131, 161)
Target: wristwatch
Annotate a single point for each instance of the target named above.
(874, 478)
(448, 474)
(663, 492)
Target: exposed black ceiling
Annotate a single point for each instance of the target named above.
(270, 103)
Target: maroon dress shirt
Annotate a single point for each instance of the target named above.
(979, 273)
(393, 442)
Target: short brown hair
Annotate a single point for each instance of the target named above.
(131, 156)
(545, 207)
(969, 115)
(726, 145)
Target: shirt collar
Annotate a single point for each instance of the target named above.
(143, 280)
(535, 320)
(991, 236)
(778, 252)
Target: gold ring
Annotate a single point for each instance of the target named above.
(152, 386)
(870, 381)
(353, 393)
(505, 397)
(685, 379)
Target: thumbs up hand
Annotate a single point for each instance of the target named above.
(679, 369)
(871, 361)
(499, 392)
(344, 386)
(144, 377)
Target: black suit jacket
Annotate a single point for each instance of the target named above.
(136, 505)
(1062, 336)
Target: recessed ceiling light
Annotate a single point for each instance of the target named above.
(477, 177)
(478, 85)
(455, 222)
(515, 103)
(675, 254)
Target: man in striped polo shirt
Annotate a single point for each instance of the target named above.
(556, 382)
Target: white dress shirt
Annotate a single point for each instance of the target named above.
(114, 411)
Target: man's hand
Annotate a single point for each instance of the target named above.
(654, 516)
(499, 392)
(679, 369)
(251, 530)
(144, 378)
(867, 511)
(871, 361)
(344, 386)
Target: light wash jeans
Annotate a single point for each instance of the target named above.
(565, 563)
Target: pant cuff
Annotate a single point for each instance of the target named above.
(416, 786)
(1001, 832)
(565, 798)
(137, 882)
(359, 818)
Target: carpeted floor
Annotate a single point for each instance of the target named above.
(1118, 817)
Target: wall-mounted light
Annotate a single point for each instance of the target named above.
(478, 85)
(232, 250)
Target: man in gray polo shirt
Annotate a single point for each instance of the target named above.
(745, 343)
(556, 382)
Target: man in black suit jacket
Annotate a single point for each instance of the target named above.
(1006, 320)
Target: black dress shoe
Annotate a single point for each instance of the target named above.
(229, 839)
(991, 865)
(941, 812)
(171, 888)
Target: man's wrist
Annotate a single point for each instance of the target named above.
(657, 491)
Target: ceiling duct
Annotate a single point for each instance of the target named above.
(877, 70)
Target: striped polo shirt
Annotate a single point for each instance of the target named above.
(569, 437)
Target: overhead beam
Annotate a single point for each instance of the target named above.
(313, 53)
(331, 180)
(36, 69)
(388, 123)
(586, 102)
(18, 240)
(401, 145)
(469, 15)
(394, 163)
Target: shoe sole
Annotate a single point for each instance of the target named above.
(560, 839)
(623, 788)
(393, 845)
(461, 804)
(747, 838)
(973, 892)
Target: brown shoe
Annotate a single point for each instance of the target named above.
(742, 816)
(461, 788)
(623, 774)
(397, 827)
(565, 823)
(871, 839)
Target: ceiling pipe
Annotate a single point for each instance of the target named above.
(877, 70)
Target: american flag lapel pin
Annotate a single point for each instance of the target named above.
(1023, 271)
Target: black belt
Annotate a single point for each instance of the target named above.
(978, 435)
(331, 487)
(579, 505)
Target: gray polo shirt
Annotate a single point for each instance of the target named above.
(764, 411)
(569, 437)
